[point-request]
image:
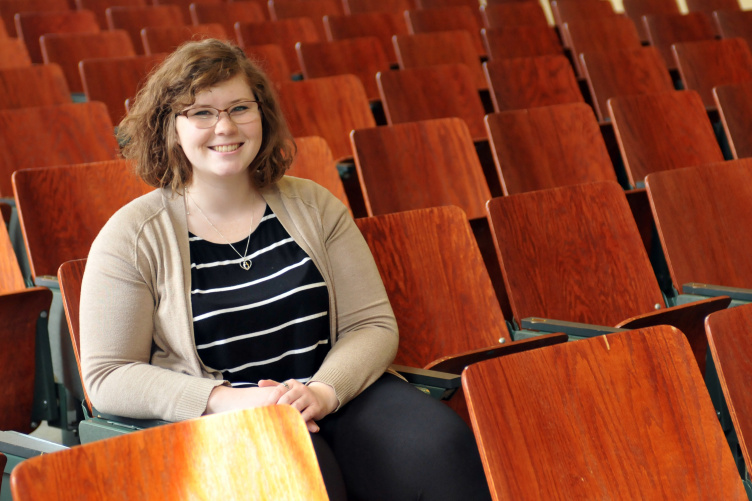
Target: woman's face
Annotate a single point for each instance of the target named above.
(222, 152)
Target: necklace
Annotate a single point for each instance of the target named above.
(245, 261)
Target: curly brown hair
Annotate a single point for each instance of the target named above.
(147, 133)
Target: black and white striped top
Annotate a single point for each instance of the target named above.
(269, 322)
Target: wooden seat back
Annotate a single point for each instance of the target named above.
(664, 30)
(734, 104)
(439, 47)
(362, 57)
(13, 53)
(505, 15)
(30, 26)
(229, 13)
(707, 63)
(285, 33)
(521, 41)
(382, 25)
(439, 4)
(420, 164)
(69, 49)
(448, 19)
(329, 107)
(623, 73)
(70, 274)
(84, 195)
(315, 10)
(266, 451)
(573, 253)
(728, 336)
(599, 35)
(540, 148)
(702, 215)
(112, 80)
(391, 6)
(11, 278)
(39, 85)
(271, 58)
(531, 81)
(79, 132)
(576, 421)
(635, 9)
(713, 5)
(185, 6)
(165, 39)
(662, 131)
(733, 24)
(99, 7)
(314, 161)
(565, 11)
(134, 18)
(9, 8)
(430, 92)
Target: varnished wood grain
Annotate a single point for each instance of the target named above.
(448, 19)
(112, 80)
(734, 103)
(564, 11)
(68, 49)
(314, 161)
(728, 334)
(503, 15)
(531, 81)
(20, 311)
(165, 39)
(382, 25)
(69, 275)
(623, 416)
(39, 85)
(329, 107)
(62, 209)
(440, 47)
(315, 10)
(9, 8)
(431, 92)
(11, 279)
(418, 165)
(635, 9)
(229, 13)
(664, 30)
(707, 63)
(521, 41)
(546, 147)
(265, 453)
(99, 8)
(622, 73)
(133, 18)
(184, 6)
(668, 130)
(601, 35)
(271, 58)
(13, 53)
(32, 25)
(54, 135)
(731, 24)
(442, 308)
(438, 4)
(362, 57)
(285, 33)
(392, 6)
(713, 5)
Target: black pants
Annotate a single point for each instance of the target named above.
(393, 442)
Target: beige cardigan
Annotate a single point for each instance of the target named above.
(138, 354)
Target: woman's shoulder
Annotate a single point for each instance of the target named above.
(130, 219)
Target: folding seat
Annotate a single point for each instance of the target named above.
(732, 24)
(713, 5)
(134, 18)
(113, 80)
(69, 49)
(382, 25)
(362, 57)
(315, 10)
(39, 85)
(662, 131)
(165, 39)
(589, 35)
(521, 41)
(623, 72)
(184, 6)
(391, 6)
(329, 107)
(734, 103)
(272, 443)
(437, 48)
(621, 416)
(99, 7)
(285, 33)
(13, 53)
(574, 254)
(664, 30)
(229, 13)
(9, 8)
(271, 58)
(30, 26)
(447, 19)
(314, 161)
(635, 9)
(705, 64)
(564, 11)
(438, 4)
(528, 82)
(504, 15)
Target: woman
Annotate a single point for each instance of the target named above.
(232, 286)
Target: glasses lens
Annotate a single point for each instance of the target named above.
(241, 113)
(202, 118)
(244, 112)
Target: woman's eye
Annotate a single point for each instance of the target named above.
(203, 113)
(239, 109)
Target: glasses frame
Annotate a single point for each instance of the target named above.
(219, 113)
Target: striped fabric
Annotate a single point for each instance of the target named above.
(270, 322)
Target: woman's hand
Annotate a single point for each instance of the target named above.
(226, 398)
(313, 401)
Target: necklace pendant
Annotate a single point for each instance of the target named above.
(246, 264)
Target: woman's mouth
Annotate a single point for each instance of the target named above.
(225, 148)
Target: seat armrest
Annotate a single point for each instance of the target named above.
(570, 328)
(440, 385)
(710, 290)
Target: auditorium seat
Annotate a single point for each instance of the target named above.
(713, 5)
(271, 58)
(38, 85)
(285, 33)
(664, 30)
(99, 7)
(734, 103)
(315, 10)
(635, 9)
(447, 19)
(9, 8)
(229, 13)
(732, 24)
(314, 161)
(621, 416)
(601, 35)
(165, 39)
(134, 18)
(13, 53)
(521, 41)
(564, 11)
(30, 26)
(382, 25)
(184, 6)
(505, 15)
(363, 6)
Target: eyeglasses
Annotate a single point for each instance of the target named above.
(207, 117)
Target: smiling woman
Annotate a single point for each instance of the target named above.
(233, 286)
